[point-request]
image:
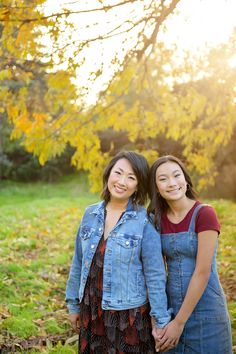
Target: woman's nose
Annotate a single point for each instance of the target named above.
(172, 182)
(122, 180)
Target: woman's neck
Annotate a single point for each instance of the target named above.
(118, 205)
(179, 208)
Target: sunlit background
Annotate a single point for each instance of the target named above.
(194, 27)
(78, 83)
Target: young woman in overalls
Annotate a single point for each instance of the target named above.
(117, 278)
(189, 233)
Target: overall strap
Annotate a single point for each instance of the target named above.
(193, 218)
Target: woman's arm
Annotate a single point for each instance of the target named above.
(155, 275)
(197, 285)
(73, 283)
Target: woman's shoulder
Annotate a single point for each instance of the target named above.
(142, 213)
(206, 218)
(204, 209)
(94, 206)
(93, 209)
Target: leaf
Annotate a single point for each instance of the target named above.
(71, 340)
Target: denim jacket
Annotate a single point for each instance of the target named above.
(133, 271)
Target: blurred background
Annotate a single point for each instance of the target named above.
(79, 81)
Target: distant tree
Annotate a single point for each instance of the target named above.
(225, 161)
(149, 101)
(190, 108)
(36, 91)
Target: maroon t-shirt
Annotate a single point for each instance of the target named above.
(206, 219)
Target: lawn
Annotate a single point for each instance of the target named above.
(38, 223)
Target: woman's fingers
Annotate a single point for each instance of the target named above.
(75, 322)
(169, 344)
(157, 346)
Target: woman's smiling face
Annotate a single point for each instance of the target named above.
(170, 181)
(122, 182)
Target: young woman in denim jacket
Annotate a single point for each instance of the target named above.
(189, 232)
(118, 266)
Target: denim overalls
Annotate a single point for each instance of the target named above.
(207, 330)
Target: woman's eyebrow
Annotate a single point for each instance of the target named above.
(164, 174)
(130, 173)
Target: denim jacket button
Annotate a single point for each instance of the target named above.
(127, 243)
(100, 229)
(92, 246)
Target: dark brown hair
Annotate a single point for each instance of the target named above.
(158, 204)
(141, 170)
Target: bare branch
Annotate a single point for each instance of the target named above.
(159, 20)
(67, 13)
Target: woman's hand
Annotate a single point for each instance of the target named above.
(157, 333)
(74, 319)
(170, 337)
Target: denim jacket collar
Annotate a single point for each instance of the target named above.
(129, 212)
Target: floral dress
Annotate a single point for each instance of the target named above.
(111, 331)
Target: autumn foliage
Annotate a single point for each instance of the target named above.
(148, 98)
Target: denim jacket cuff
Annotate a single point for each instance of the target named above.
(162, 322)
(73, 306)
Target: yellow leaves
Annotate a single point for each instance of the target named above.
(23, 92)
(89, 157)
(44, 143)
(58, 80)
(5, 74)
(4, 14)
(19, 35)
(24, 36)
(16, 106)
(40, 118)
(13, 112)
(139, 103)
(61, 92)
(22, 124)
(193, 101)
(152, 125)
(200, 162)
(87, 151)
(151, 155)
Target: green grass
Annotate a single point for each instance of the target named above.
(38, 223)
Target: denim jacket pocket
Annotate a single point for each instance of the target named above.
(127, 245)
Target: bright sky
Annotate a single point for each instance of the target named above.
(196, 24)
(202, 21)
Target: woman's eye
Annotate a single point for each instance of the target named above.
(178, 175)
(132, 178)
(117, 172)
(162, 179)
